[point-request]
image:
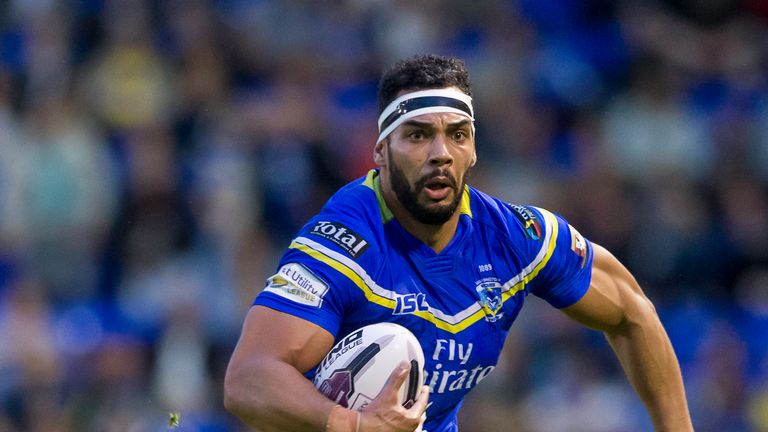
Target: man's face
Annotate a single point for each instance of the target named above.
(427, 162)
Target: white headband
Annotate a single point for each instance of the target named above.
(421, 102)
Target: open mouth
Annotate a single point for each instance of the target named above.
(438, 188)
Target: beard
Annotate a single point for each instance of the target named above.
(409, 196)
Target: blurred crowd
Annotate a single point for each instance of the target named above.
(156, 156)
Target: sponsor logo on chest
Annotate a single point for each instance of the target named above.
(342, 235)
(452, 370)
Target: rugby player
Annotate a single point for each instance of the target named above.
(412, 243)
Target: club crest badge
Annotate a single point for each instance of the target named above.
(489, 296)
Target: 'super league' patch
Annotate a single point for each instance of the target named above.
(295, 282)
(530, 221)
(353, 243)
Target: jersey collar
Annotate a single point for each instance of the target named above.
(373, 181)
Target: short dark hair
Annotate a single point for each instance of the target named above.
(423, 72)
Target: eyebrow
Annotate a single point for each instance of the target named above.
(429, 125)
(460, 124)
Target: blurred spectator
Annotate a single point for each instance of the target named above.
(61, 194)
(128, 83)
(31, 371)
(649, 133)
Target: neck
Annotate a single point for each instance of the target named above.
(436, 237)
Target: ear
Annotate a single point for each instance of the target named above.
(379, 153)
(474, 159)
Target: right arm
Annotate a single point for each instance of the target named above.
(264, 384)
(265, 387)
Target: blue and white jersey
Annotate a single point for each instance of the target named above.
(353, 264)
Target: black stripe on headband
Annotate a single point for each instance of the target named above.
(409, 105)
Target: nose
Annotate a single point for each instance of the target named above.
(439, 153)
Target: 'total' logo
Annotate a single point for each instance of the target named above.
(342, 235)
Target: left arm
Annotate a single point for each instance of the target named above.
(616, 305)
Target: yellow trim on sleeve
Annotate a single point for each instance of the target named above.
(346, 271)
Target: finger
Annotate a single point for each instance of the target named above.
(420, 406)
(397, 378)
(423, 419)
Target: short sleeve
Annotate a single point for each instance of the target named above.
(309, 282)
(565, 277)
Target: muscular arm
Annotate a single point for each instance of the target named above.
(264, 383)
(616, 305)
(265, 387)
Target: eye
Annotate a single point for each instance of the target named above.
(460, 135)
(416, 135)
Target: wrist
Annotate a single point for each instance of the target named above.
(341, 419)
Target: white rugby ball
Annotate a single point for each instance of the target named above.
(355, 370)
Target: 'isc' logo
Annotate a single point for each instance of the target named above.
(410, 303)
